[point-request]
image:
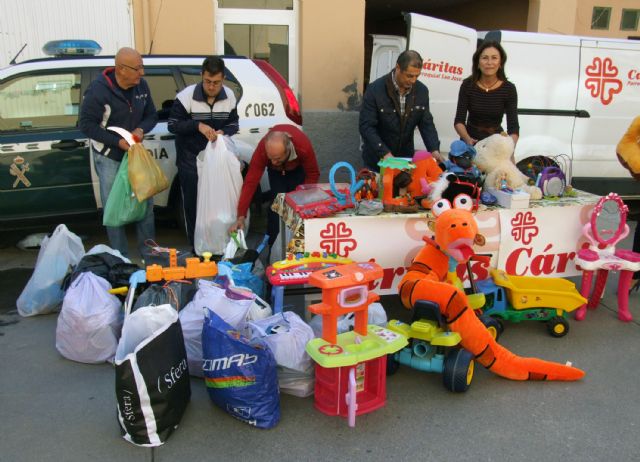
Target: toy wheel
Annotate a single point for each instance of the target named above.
(392, 364)
(458, 370)
(558, 326)
(493, 325)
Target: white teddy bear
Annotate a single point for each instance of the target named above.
(493, 157)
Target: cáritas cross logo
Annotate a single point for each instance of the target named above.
(523, 227)
(336, 238)
(602, 80)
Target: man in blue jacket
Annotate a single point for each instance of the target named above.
(119, 97)
(393, 106)
(199, 114)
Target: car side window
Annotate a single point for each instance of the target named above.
(192, 75)
(163, 88)
(39, 101)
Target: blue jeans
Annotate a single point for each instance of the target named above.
(145, 229)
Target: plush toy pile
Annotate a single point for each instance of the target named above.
(493, 157)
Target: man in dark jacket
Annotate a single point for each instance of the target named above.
(119, 97)
(394, 105)
(199, 114)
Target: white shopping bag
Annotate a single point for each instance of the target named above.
(90, 321)
(287, 335)
(43, 292)
(232, 305)
(219, 184)
(235, 243)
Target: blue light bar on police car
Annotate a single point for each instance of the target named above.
(71, 48)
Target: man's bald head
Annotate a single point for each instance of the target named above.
(129, 67)
(126, 54)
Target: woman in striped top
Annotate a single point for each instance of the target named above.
(486, 96)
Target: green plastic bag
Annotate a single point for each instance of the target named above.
(122, 206)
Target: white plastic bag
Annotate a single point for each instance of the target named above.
(296, 383)
(191, 320)
(232, 305)
(287, 335)
(43, 293)
(259, 310)
(102, 248)
(234, 244)
(219, 184)
(376, 315)
(90, 321)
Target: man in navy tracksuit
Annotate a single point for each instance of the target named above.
(119, 97)
(199, 114)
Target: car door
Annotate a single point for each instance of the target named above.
(44, 158)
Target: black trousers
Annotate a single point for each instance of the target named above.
(280, 183)
(189, 186)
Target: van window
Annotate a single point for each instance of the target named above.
(192, 75)
(36, 101)
(163, 89)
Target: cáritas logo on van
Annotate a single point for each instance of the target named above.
(602, 80)
(441, 70)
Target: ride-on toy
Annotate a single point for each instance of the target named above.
(432, 348)
(528, 298)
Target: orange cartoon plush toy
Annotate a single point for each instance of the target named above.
(426, 172)
(430, 277)
(628, 149)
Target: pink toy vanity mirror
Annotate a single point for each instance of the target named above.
(607, 227)
(608, 221)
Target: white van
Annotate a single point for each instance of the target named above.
(576, 95)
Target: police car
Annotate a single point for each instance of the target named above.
(45, 163)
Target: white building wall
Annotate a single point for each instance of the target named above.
(35, 22)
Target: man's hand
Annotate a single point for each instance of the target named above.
(207, 131)
(438, 157)
(239, 224)
(387, 155)
(138, 135)
(122, 144)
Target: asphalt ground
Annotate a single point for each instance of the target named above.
(53, 409)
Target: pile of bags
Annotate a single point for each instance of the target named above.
(161, 334)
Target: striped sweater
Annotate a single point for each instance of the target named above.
(482, 111)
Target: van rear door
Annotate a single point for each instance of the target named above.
(446, 49)
(386, 49)
(609, 92)
(543, 67)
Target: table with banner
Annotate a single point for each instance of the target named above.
(541, 240)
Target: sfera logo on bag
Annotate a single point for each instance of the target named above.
(127, 412)
(174, 374)
(220, 364)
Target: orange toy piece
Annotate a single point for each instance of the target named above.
(345, 290)
(194, 268)
(426, 172)
(456, 231)
(396, 197)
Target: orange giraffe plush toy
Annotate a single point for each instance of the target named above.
(430, 277)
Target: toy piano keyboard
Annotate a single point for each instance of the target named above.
(296, 269)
